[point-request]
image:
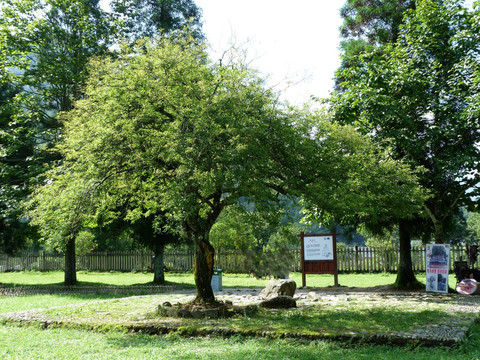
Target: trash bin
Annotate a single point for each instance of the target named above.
(217, 280)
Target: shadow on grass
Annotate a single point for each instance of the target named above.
(239, 347)
(236, 347)
(92, 288)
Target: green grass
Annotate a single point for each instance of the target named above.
(35, 278)
(334, 316)
(74, 343)
(33, 343)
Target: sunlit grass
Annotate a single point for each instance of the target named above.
(110, 343)
(335, 315)
(33, 343)
(35, 278)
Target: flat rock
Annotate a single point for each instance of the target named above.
(284, 287)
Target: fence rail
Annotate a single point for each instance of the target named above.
(350, 259)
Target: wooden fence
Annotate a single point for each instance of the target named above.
(350, 259)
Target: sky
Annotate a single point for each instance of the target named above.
(293, 43)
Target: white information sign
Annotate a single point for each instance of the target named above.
(318, 248)
(438, 260)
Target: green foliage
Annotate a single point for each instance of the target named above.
(353, 182)
(369, 26)
(44, 48)
(233, 230)
(62, 207)
(386, 241)
(240, 228)
(49, 42)
(19, 165)
(85, 242)
(148, 18)
(473, 223)
(419, 98)
(458, 231)
(168, 131)
(375, 22)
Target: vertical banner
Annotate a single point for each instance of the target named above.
(438, 261)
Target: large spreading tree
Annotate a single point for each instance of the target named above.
(419, 98)
(193, 136)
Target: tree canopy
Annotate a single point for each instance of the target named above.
(420, 99)
(45, 46)
(368, 26)
(184, 131)
(180, 135)
(149, 18)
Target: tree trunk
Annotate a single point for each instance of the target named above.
(439, 234)
(158, 273)
(70, 263)
(198, 229)
(204, 254)
(405, 277)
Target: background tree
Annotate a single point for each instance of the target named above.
(368, 26)
(149, 18)
(364, 186)
(19, 166)
(45, 46)
(458, 230)
(265, 235)
(62, 209)
(385, 243)
(473, 223)
(419, 98)
(151, 231)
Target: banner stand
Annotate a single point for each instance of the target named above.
(437, 265)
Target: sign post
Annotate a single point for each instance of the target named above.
(319, 255)
(438, 261)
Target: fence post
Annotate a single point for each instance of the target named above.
(356, 258)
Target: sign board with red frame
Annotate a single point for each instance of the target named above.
(319, 255)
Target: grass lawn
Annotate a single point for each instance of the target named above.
(33, 342)
(35, 278)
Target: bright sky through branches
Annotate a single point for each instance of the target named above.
(296, 43)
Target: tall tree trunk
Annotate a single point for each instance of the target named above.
(437, 225)
(204, 255)
(70, 263)
(198, 229)
(405, 277)
(439, 234)
(158, 273)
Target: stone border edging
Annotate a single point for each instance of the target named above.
(394, 338)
